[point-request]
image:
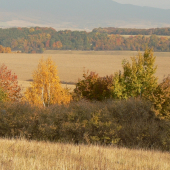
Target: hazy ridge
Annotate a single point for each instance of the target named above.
(80, 14)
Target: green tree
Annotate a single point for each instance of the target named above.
(137, 78)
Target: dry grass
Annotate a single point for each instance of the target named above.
(24, 155)
(72, 63)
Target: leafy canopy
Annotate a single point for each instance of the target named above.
(138, 77)
(46, 88)
(3, 95)
(93, 87)
(9, 84)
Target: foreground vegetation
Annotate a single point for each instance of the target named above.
(128, 108)
(32, 155)
(131, 123)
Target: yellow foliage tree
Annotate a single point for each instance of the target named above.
(46, 88)
(2, 49)
(7, 50)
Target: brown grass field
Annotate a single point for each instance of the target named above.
(32, 155)
(71, 64)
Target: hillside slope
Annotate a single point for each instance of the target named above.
(80, 14)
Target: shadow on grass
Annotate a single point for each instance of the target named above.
(62, 82)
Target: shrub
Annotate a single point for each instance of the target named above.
(18, 120)
(93, 87)
(130, 123)
(140, 126)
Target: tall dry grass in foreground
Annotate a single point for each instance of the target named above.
(24, 155)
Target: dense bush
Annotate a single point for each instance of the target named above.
(130, 123)
(93, 87)
(139, 124)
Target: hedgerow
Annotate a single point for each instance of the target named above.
(129, 123)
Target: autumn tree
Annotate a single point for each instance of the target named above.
(161, 98)
(138, 77)
(7, 50)
(3, 95)
(9, 84)
(2, 50)
(46, 88)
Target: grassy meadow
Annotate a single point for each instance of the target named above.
(32, 155)
(71, 64)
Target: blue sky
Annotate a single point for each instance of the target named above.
(165, 4)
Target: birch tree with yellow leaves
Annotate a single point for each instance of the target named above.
(46, 88)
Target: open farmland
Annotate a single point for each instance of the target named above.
(71, 64)
(24, 155)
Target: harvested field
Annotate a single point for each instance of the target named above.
(71, 64)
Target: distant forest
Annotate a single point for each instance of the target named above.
(39, 39)
(133, 31)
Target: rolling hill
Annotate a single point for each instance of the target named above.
(80, 14)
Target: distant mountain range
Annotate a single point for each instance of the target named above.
(80, 14)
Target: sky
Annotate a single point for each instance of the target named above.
(165, 4)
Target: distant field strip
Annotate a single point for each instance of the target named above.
(71, 64)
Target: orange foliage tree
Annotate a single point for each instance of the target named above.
(2, 50)
(9, 83)
(5, 49)
(59, 44)
(46, 89)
